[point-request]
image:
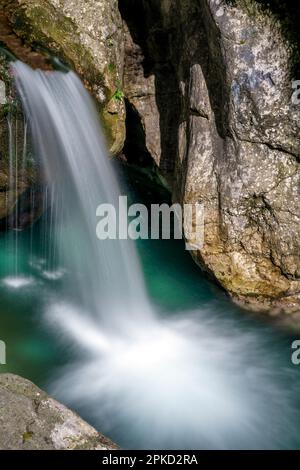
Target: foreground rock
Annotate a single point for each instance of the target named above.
(30, 419)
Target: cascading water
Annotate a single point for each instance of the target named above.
(17, 164)
(197, 380)
(74, 162)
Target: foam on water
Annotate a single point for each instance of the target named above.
(190, 382)
(17, 282)
(53, 275)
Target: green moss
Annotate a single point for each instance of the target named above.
(6, 54)
(118, 95)
(8, 108)
(111, 67)
(46, 30)
(26, 436)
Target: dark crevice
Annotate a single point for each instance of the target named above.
(145, 23)
(135, 149)
(169, 50)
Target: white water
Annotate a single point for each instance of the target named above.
(106, 277)
(190, 382)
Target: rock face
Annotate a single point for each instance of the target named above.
(208, 87)
(31, 420)
(216, 79)
(85, 34)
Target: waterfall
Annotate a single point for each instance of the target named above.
(195, 380)
(106, 277)
(17, 169)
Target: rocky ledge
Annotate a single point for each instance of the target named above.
(31, 420)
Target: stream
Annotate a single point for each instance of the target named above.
(132, 336)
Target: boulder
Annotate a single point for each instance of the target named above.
(32, 420)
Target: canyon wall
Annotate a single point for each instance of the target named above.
(212, 81)
(207, 86)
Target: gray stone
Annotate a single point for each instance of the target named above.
(86, 34)
(221, 74)
(2, 93)
(31, 420)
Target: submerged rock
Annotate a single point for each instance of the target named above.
(31, 420)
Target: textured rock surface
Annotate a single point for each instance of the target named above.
(31, 420)
(208, 89)
(220, 73)
(87, 35)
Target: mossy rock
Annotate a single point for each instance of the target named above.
(88, 43)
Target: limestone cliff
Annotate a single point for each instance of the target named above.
(212, 81)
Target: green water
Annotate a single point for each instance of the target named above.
(174, 283)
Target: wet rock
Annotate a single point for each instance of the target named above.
(87, 35)
(31, 420)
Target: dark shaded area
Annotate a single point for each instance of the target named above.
(135, 145)
(28, 208)
(137, 16)
(170, 48)
(145, 22)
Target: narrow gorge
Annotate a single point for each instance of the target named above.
(208, 92)
(199, 103)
